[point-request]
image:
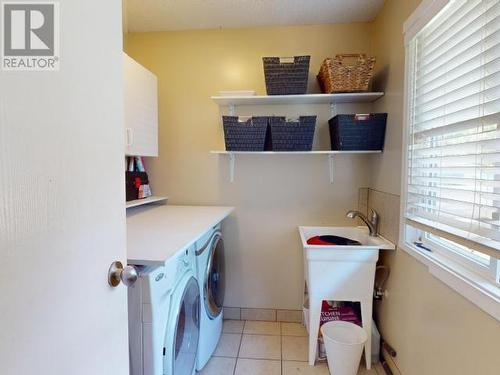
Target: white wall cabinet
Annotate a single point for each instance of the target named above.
(141, 109)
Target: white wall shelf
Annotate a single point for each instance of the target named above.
(148, 200)
(363, 97)
(332, 99)
(330, 154)
(325, 152)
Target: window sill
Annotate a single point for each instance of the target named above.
(478, 290)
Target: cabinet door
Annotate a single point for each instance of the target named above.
(141, 109)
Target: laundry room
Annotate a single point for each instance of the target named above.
(224, 187)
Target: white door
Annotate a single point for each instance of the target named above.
(62, 216)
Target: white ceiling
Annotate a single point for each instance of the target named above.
(160, 15)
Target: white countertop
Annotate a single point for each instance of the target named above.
(155, 233)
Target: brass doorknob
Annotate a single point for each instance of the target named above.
(117, 273)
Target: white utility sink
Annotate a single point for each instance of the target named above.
(359, 234)
(340, 270)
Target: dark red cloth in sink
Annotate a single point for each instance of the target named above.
(331, 240)
(316, 240)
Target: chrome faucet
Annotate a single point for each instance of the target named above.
(371, 222)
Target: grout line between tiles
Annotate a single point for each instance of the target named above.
(261, 359)
(262, 334)
(239, 348)
(281, 347)
(223, 356)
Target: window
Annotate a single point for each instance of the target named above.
(451, 180)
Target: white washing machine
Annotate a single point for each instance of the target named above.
(164, 325)
(211, 280)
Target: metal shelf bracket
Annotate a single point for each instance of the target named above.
(330, 167)
(333, 109)
(232, 162)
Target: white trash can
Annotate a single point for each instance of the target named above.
(344, 344)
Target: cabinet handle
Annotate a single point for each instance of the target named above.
(129, 135)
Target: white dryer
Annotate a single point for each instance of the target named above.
(164, 307)
(211, 280)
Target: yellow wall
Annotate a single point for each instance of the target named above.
(435, 330)
(388, 46)
(272, 194)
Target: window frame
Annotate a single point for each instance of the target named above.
(478, 283)
(487, 271)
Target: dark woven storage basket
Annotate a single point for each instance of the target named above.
(358, 132)
(292, 135)
(286, 78)
(245, 136)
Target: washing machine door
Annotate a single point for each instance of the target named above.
(214, 283)
(186, 335)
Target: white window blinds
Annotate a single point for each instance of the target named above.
(453, 110)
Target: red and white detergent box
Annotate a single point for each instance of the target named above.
(331, 312)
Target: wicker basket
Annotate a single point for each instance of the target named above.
(358, 132)
(245, 136)
(292, 135)
(337, 75)
(286, 77)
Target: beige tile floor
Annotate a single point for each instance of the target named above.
(266, 348)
